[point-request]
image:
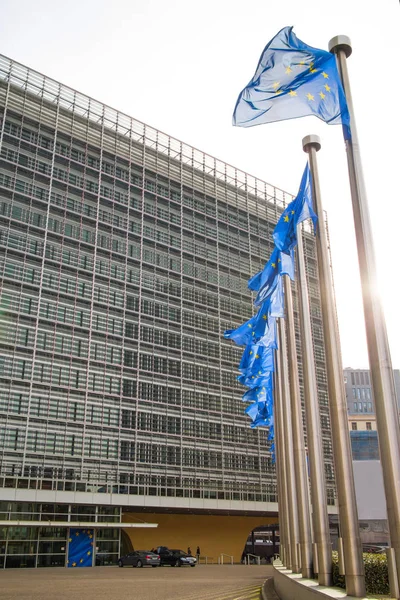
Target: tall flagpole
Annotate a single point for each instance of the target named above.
(375, 325)
(313, 423)
(348, 515)
(286, 419)
(285, 550)
(300, 466)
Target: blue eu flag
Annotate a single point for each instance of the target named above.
(285, 232)
(283, 264)
(292, 80)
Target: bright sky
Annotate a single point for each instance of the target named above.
(179, 66)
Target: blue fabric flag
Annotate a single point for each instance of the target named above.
(259, 410)
(80, 547)
(268, 275)
(285, 266)
(300, 209)
(269, 339)
(253, 381)
(258, 394)
(277, 307)
(256, 360)
(292, 80)
(244, 334)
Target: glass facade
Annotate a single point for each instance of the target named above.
(25, 546)
(124, 255)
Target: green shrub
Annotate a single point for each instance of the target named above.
(376, 573)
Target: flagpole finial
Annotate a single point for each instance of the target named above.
(340, 42)
(311, 141)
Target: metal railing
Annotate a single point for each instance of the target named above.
(221, 558)
(207, 560)
(247, 560)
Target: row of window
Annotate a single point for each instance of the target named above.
(361, 393)
(128, 173)
(61, 375)
(151, 256)
(365, 407)
(59, 443)
(359, 378)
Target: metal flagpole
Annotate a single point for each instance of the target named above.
(378, 347)
(313, 422)
(281, 468)
(300, 466)
(348, 515)
(286, 419)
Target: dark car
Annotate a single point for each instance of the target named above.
(139, 558)
(175, 558)
(374, 548)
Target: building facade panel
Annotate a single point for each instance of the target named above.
(124, 256)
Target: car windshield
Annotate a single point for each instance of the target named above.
(179, 552)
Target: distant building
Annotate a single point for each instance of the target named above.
(360, 398)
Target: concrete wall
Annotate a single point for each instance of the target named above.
(214, 534)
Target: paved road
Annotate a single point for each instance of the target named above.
(204, 582)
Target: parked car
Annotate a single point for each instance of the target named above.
(175, 558)
(139, 558)
(374, 548)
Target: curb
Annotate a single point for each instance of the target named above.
(268, 590)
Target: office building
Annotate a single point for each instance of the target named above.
(125, 254)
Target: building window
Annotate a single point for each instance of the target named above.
(368, 426)
(355, 406)
(354, 393)
(354, 426)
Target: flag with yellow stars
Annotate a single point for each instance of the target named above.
(292, 80)
(256, 357)
(285, 232)
(80, 547)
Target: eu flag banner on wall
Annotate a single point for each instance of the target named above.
(292, 80)
(80, 547)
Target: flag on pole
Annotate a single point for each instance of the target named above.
(285, 232)
(292, 80)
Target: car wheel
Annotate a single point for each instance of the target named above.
(192, 565)
(120, 563)
(139, 564)
(154, 566)
(178, 563)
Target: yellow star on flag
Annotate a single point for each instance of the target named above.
(251, 352)
(249, 325)
(322, 95)
(74, 564)
(88, 553)
(276, 85)
(313, 70)
(81, 561)
(326, 86)
(257, 356)
(77, 533)
(286, 219)
(265, 317)
(273, 265)
(310, 96)
(288, 70)
(325, 75)
(292, 93)
(70, 539)
(292, 212)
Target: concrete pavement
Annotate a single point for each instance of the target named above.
(204, 582)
